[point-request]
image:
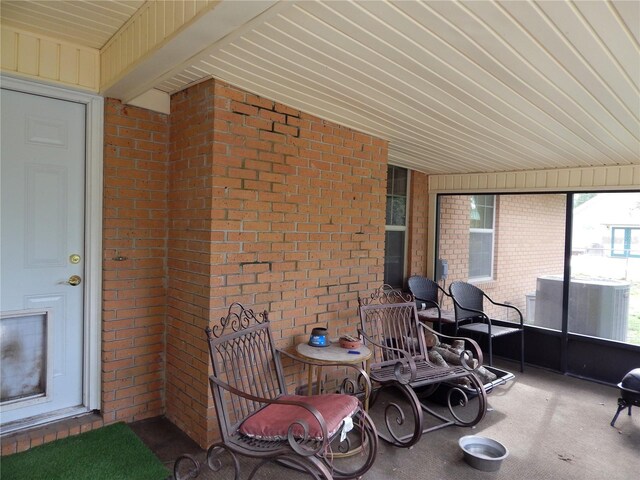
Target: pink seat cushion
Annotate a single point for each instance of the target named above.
(273, 421)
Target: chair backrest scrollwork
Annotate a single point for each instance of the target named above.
(393, 326)
(383, 295)
(243, 355)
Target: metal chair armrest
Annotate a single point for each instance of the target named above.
(480, 313)
(431, 303)
(401, 364)
(444, 291)
(299, 445)
(507, 305)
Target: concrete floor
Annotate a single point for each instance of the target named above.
(555, 427)
(166, 440)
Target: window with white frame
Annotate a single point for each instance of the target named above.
(481, 236)
(625, 242)
(396, 226)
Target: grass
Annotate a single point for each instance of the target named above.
(109, 453)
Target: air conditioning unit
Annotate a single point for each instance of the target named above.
(530, 304)
(598, 308)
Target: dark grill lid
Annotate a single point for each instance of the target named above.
(631, 380)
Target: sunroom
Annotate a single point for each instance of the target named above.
(290, 156)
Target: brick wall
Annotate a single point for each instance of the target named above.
(193, 267)
(529, 242)
(134, 243)
(271, 207)
(454, 236)
(418, 221)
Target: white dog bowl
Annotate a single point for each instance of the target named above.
(483, 453)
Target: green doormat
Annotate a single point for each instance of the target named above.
(108, 453)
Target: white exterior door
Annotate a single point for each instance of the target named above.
(42, 256)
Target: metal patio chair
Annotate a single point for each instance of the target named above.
(470, 317)
(391, 329)
(257, 418)
(428, 295)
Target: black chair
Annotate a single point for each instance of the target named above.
(427, 293)
(471, 317)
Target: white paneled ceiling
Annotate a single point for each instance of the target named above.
(455, 87)
(87, 23)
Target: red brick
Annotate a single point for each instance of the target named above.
(9, 448)
(239, 188)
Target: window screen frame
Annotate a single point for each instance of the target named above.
(492, 232)
(398, 228)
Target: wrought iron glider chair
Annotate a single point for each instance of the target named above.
(471, 317)
(257, 418)
(391, 329)
(426, 292)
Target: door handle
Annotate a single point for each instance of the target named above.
(74, 280)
